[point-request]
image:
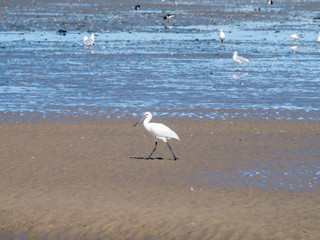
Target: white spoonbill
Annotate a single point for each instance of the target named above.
(88, 41)
(222, 36)
(239, 59)
(158, 130)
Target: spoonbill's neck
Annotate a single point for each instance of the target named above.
(146, 122)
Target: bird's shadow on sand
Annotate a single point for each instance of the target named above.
(145, 158)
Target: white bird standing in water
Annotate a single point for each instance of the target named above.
(158, 130)
(295, 36)
(88, 41)
(269, 2)
(318, 39)
(294, 48)
(168, 17)
(222, 36)
(239, 59)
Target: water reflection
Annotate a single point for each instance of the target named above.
(305, 178)
(238, 75)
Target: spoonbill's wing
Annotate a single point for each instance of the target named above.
(162, 131)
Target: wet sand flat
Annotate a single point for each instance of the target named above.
(91, 181)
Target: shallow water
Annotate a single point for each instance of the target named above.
(177, 69)
(301, 176)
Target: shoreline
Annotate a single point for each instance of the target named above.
(237, 115)
(91, 181)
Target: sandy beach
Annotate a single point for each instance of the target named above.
(92, 181)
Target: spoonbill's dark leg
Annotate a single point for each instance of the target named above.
(174, 156)
(155, 147)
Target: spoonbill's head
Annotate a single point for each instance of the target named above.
(235, 53)
(146, 115)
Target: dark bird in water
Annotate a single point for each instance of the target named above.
(168, 17)
(137, 7)
(62, 31)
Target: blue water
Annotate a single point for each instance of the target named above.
(177, 69)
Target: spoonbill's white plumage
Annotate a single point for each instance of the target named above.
(295, 36)
(222, 36)
(239, 59)
(88, 41)
(159, 131)
(318, 39)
